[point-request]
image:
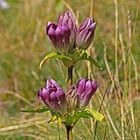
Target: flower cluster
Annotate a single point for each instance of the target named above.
(78, 96)
(70, 42)
(67, 37)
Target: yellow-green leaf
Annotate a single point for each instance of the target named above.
(36, 110)
(53, 55)
(98, 116)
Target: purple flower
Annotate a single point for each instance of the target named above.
(72, 99)
(85, 33)
(68, 19)
(53, 96)
(63, 34)
(85, 88)
(67, 37)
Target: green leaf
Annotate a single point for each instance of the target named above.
(59, 121)
(95, 114)
(75, 57)
(83, 114)
(53, 55)
(86, 56)
(37, 110)
(53, 119)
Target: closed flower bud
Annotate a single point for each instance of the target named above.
(66, 37)
(85, 33)
(72, 99)
(63, 34)
(68, 19)
(53, 96)
(59, 36)
(85, 88)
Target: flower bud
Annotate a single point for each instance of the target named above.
(59, 36)
(53, 96)
(63, 34)
(85, 33)
(85, 88)
(72, 99)
(68, 19)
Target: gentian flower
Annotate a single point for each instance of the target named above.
(63, 34)
(85, 88)
(53, 96)
(72, 99)
(85, 33)
(66, 37)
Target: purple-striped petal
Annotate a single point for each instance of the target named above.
(53, 96)
(85, 33)
(85, 89)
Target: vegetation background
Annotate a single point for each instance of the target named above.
(116, 47)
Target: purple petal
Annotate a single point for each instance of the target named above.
(94, 86)
(51, 82)
(43, 94)
(55, 101)
(85, 33)
(63, 35)
(50, 29)
(67, 32)
(54, 98)
(60, 19)
(83, 25)
(81, 37)
(60, 92)
(85, 90)
(59, 36)
(80, 86)
(90, 34)
(51, 32)
(66, 18)
(88, 87)
(88, 92)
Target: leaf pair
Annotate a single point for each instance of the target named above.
(71, 59)
(85, 113)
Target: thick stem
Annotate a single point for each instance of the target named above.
(70, 76)
(69, 132)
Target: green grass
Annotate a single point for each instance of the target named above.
(23, 44)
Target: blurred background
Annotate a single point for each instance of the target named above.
(116, 47)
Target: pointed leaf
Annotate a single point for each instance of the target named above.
(85, 56)
(59, 121)
(95, 114)
(53, 55)
(37, 110)
(83, 114)
(53, 119)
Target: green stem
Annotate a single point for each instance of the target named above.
(70, 76)
(69, 132)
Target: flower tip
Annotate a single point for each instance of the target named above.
(40, 93)
(95, 85)
(94, 24)
(49, 23)
(68, 11)
(48, 82)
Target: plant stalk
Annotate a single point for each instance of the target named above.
(70, 76)
(69, 83)
(69, 132)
